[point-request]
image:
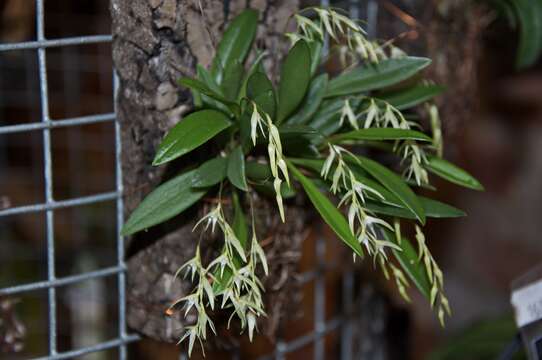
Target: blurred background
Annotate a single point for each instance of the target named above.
(492, 118)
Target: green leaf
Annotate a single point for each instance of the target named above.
(452, 173)
(252, 70)
(386, 198)
(232, 80)
(235, 43)
(376, 76)
(411, 96)
(312, 101)
(210, 172)
(408, 259)
(191, 132)
(315, 47)
(202, 88)
(327, 118)
(377, 134)
(394, 184)
(266, 188)
(257, 171)
(327, 210)
(240, 229)
(236, 169)
(166, 201)
(529, 14)
(294, 79)
(261, 91)
(432, 209)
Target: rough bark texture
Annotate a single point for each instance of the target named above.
(155, 42)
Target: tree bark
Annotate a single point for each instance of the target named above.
(156, 42)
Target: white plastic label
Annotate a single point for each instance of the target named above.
(527, 302)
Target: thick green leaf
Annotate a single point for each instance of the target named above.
(166, 201)
(252, 70)
(210, 172)
(261, 91)
(376, 76)
(327, 210)
(452, 173)
(312, 101)
(529, 14)
(232, 80)
(432, 209)
(411, 96)
(408, 259)
(294, 79)
(235, 43)
(394, 184)
(236, 169)
(257, 171)
(191, 132)
(376, 134)
(202, 88)
(266, 188)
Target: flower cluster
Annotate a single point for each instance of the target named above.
(435, 277)
(362, 222)
(274, 150)
(336, 25)
(231, 275)
(379, 113)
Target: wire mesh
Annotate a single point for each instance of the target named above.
(41, 45)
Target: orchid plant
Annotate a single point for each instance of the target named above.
(311, 132)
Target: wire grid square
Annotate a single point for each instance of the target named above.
(282, 348)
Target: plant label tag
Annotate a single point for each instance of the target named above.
(527, 302)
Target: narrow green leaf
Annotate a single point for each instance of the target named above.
(432, 209)
(529, 14)
(202, 88)
(191, 132)
(236, 169)
(210, 172)
(312, 101)
(294, 79)
(408, 259)
(315, 47)
(376, 134)
(235, 43)
(452, 173)
(437, 209)
(166, 201)
(327, 210)
(411, 96)
(376, 76)
(394, 184)
(240, 229)
(261, 91)
(386, 198)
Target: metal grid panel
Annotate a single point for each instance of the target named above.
(321, 326)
